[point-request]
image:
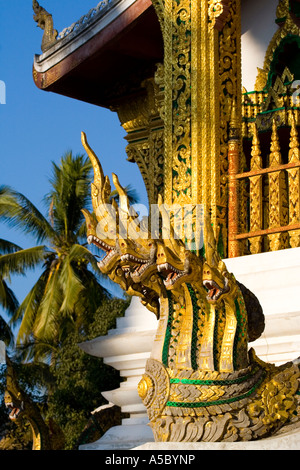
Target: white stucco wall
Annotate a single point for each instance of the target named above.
(258, 28)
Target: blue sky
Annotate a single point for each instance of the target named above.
(37, 127)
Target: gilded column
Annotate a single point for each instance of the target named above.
(256, 194)
(229, 91)
(278, 208)
(233, 187)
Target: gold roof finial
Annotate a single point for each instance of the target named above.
(283, 9)
(44, 21)
(275, 153)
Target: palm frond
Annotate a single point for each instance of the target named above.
(6, 334)
(8, 247)
(79, 253)
(93, 295)
(45, 324)
(28, 309)
(19, 261)
(71, 286)
(131, 193)
(68, 291)
(8, 299)
(40, 352)
(70, 192)
(81, 232)
(18, 212)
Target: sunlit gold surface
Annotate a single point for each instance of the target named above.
(200, 374)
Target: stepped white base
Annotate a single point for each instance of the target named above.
(122, 438)
(127, 349)
(288, 441)
(274, 278)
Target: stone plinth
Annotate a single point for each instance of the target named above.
(285, 441)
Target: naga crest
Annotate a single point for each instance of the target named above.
(44, 21)
(21, 407)
(201, 383)
(107, 228)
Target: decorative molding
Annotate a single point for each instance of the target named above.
(218, 13)
(86, 20)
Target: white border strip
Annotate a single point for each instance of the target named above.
(67, 45)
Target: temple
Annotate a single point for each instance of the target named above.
(207, 92)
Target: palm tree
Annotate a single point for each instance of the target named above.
(8, 300)
(68, 289)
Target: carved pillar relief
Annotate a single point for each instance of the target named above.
(177, 131)
(201, 78)
(145, 135)
(278, 204)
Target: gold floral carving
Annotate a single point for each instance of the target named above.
(264, 106)
(199, 80)
(218, 11)
(140, 117)
(256, 192)
(229, 93)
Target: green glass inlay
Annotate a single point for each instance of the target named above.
(218, 319)
(238, 380)
(295, 8)
(237, 333)
(216, 402)
(194, 328)
(165, 352)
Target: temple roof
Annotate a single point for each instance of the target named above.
(103, 56)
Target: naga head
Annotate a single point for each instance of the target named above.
(138, 263)
(15, 404)
(40, 14)
(107, 228)
(175, 262)
(216, 279)
(137, 253)
(45, 22)
(13, 399)
(102, 224)
(135, 247)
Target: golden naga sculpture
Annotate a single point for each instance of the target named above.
(201, 382)
(45, 435)
(44, 21)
